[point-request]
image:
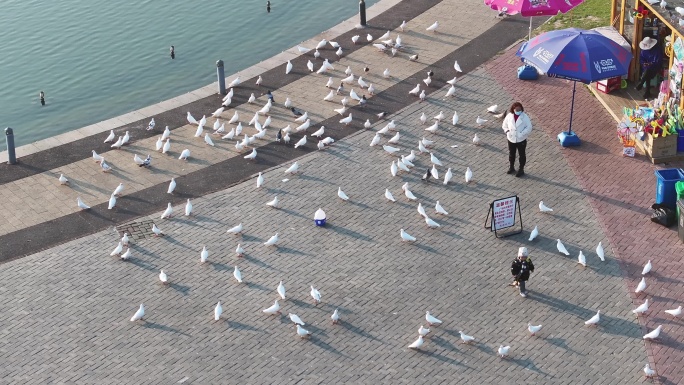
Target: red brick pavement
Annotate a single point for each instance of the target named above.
(620, 191)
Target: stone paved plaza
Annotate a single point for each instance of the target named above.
(66, 309)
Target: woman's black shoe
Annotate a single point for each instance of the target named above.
(520, 172)
(510, 171)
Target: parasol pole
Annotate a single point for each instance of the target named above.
(529, 34)
(572, 106)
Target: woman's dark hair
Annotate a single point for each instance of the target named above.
(514, 105)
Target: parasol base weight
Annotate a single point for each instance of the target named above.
(568, 139)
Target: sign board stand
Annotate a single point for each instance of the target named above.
(502, 213)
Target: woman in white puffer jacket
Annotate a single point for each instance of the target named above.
(517, 126)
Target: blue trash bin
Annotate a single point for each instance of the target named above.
(666, 180)
(319, 218)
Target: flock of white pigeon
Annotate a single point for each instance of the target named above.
(403, 164)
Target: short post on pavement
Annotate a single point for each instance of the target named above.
(362, 12)
(221, 77)
(9, 138)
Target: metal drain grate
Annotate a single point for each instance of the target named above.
(137, 230)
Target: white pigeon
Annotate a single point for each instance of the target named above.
(237, 274)
(126, 138)
(440, 210)
(534, 233)
(389, 196)
(348, 80)
(163, 277)
(172, 186)
(63, 180)
(493, 109)
(273, 203)
(125, 239)
(330, 97)
(346, 120)
(394, 169)
(468, 175)
(292, 169)
(259, 80)
(207, 140)
(112, 202)
(301, 142)
(543, 208)
(422, 95)
(295, 319)
(433, 27)
(275, 309)
(423, 331)
(251, 99)
(199, 131)
(409, 194)
(369, 37)
(185, 154)
(251, 155)
(433, 128)
(362, 83)
(235, 229)
(235, 118)
(427, 81)
(341, 194)
(434, 172)
(654, 334)
(421, 210)
(204, 254)
(480, 121)
(599, 252)
(415, 90)
(167, 146)
(239, 250)
(466, 339)
(581, 259)
(335, 317)
(641, 286)
(159, 144)
(390, 150)
(450, 92)
(355, 38)
(316, 295)
(402, 166)
(111, 137)
(594, 320)
(503, 351)
(157, 231)
(139, 314)
(125, 256)
(647, 268)
(81, 205)
(302, 333)
(457, 67)
(117, 250)
(229, 135)
(395, 138)
(376, 140)
(272, 241)
(218, 310)
(417, 343)
(430, 223)
(476, 140)
(423, 118)
(138, 160)
(97, 158)
(641, 309)
(328, 141)
(118, 143)
(303, 49)
(218, 112)
(167, 213)
(649, 372)
(281, 290)
(454, 119)
(675, 312)
(533, 329)
(406, 237)
(234, 83)
(561, 247)
(431, 320)
(288, 67)
(188, 208)
(435, 160)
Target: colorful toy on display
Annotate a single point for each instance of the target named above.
(639, 13)
(659, 122)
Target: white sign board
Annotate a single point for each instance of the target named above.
(504, 213)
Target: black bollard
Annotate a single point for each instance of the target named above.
(221, 77)
(362, 12)
(9, 136)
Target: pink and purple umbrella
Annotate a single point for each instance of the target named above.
(530, 8)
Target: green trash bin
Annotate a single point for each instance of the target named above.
(679, 187)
